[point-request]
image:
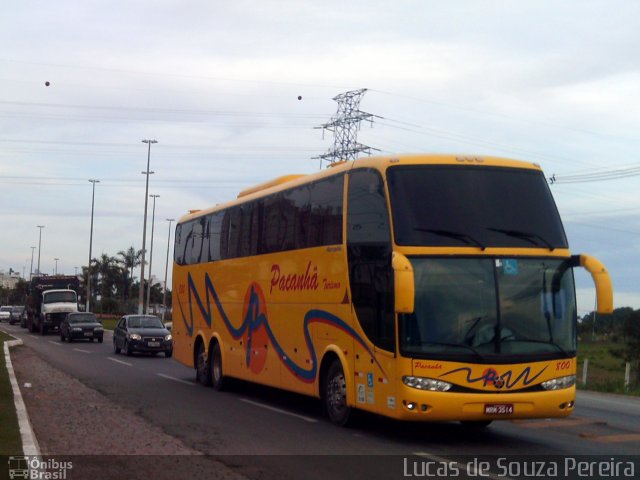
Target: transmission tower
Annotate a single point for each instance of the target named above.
(345, 125)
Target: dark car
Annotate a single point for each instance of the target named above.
(142, 333)
(17, 312)
(81, 326)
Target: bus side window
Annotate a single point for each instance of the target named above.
(184, 240)
(178, 249)
(197, 240)
(224, 235)
(235, 218)
(298, 200)
(215, 232)
(369, 256)
(325, 220)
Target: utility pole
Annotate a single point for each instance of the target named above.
(144, 229)
(345, 126)
(93, 197)
(153, 221)
(31, 271)
(39, 245)
(166, 269)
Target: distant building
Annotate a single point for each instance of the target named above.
(9, 280)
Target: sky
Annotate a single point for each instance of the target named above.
(233, 92)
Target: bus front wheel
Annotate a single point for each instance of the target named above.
(217, 377)
(202, 366)
(335, 395)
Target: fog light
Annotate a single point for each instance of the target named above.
(571, 404)
(410, 405)
(423, 407)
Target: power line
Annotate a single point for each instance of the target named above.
(597, 176)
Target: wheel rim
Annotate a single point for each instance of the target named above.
(202, 363)
(217, 365)
(337, 395)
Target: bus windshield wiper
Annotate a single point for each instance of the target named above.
(528, 236)
(474, 323)
(459, 345)
(468, 239)
(535, 340)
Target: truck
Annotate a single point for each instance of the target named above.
(49, 300)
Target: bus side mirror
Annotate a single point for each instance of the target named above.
(403, 283)
(601, 279)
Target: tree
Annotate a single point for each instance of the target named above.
(108, 275)
(19, 293)
(630, 351)
(129, 259)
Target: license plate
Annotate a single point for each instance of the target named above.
(88, 334)
(153, 344)
(498, 409)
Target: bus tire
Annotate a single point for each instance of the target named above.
(218, 380)
(335, 395)
(203, 374)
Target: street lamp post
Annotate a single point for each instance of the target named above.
(93, 196)
(31, 271)
(166, 269)
(153, 220)
(55, 271)
(39, 245)
(144, 229)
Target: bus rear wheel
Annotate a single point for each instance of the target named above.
(203, 376)
(335, 395)
(218, 380)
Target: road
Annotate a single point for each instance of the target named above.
(285, 434)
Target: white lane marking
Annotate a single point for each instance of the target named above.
(120, 361)
(279, 410)
(54, 342)
(83, 351)
(169, 377)
(34, 336)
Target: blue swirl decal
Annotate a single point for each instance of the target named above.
(256, 321)
(490, 375)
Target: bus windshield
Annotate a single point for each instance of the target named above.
(451, 205)
(487, 308)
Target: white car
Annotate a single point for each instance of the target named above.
(5, 313)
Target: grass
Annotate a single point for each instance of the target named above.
(605, 372)
(109, 323)
(10, 441)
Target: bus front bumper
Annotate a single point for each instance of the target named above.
(418, 405)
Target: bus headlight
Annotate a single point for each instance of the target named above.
(559, 383)
(422, 383)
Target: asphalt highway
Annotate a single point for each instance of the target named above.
(286, 434)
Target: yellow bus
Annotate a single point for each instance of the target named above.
(419, 287)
